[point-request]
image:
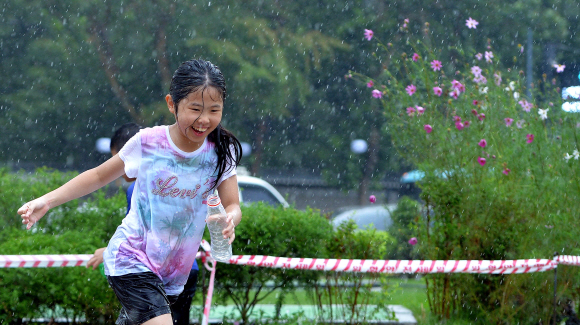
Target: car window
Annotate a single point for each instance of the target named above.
(253, 193)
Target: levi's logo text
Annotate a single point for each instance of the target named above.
(166, 187)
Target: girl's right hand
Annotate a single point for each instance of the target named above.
(32, 211)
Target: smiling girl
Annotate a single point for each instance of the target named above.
(148, 259)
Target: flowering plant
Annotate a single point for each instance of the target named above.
(499, 177)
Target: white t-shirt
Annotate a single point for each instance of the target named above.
(163, 230)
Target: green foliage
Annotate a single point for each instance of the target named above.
(518, 202)
(351, 291)
(266, 230)
(76, 292)
(406, 218)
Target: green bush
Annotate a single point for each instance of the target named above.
(69, 229)
(266, 230)
(500, 171)
(351, 291)
(406, 218)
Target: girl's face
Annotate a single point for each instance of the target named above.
(197, 115)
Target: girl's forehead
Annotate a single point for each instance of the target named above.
(205, 95)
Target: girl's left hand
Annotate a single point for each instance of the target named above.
(230, 231)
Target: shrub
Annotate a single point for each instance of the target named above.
(499, 178)
(266, 230)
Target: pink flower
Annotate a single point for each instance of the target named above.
(488, 56)
(428, 128)
(520, 124)
(372, 199)
(454, 94)
(478, 56)
(370, 84)
(420, 110)
(369, 34)
(438, 91)
(497, 78)
(415, 57)
(559, 67)
(457, 118)
(506, 171)
(482, 143)
(405, 22)
(481, 160)
(527, 106)
(458, 86)
(413, 241)
(508, 121)
(436, 65)
(459, 126)
(530, 138)
(410, 111)
(476, 71)
(475, 102)
(474, 112)
(377, 93)
(466, 123)
(471, 23)
(480, 79)
(411, 89)
(481, 116)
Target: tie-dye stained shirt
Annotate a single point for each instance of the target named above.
(163, 229)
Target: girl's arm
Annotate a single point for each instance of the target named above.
(229, 195)
(83, 184)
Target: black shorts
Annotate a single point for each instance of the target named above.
(142, 297)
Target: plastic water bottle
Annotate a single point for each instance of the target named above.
(221, 250)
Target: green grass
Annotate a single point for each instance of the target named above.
(407, 292)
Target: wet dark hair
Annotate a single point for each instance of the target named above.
(194, 75)
(123, 134)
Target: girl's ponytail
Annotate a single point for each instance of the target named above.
(228, 150)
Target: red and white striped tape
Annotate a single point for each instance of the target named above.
(338, 265)
(399, 266)
(44, 260)
(568, 260)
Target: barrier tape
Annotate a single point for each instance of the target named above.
(337, 265)
(400, 266)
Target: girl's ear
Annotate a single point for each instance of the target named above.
(170, 104)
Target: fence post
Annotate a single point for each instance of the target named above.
(554, 315)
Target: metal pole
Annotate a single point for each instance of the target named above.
(529, 67)
(555, 290)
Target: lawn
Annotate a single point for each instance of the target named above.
(407, 292)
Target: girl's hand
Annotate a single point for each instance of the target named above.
(97, 258)
(32, 211)
(230, 231)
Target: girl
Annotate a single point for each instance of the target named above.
(149, 257)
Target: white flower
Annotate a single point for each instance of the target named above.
(576, 154)
(512, 85)
(483, 90)
(567, 156)
(543, 113)
(516, 95)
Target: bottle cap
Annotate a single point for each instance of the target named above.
(213, 200)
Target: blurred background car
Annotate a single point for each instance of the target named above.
(375, 216)
(253, 189)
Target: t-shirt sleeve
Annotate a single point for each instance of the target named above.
(131, 155)
(230, 170)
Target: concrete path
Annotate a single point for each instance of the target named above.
(393, 314)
